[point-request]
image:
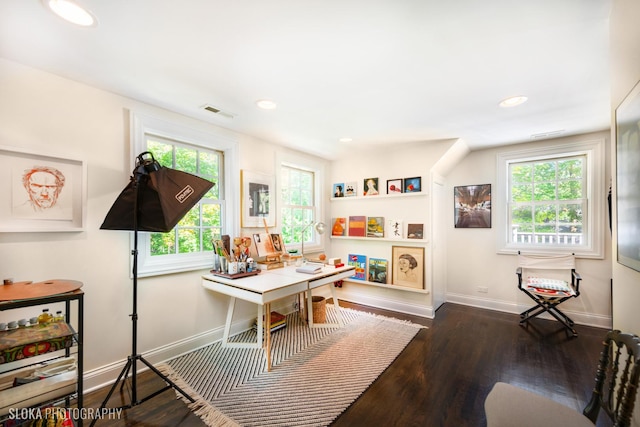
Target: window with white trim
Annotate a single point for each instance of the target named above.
(297, 190)
(550, 200)
(200, 152)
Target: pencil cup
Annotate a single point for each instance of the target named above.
(233, 268)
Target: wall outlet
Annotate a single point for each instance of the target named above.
(483, 289)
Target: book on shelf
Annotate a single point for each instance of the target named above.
(375, 226)
(339, 227)
(360, 263)
(357, 225)
(378, 270)
(394, 228)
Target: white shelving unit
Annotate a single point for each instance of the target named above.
(408, 207)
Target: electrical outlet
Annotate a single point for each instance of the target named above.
(483, 289)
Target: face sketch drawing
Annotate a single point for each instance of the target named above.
(43, 185)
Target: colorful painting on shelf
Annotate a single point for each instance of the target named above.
(378, 270)
(360, 263)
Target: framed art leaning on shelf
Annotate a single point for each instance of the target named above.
(407, 264)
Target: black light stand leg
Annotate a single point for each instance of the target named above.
(130, 366)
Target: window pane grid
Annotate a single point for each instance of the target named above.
(297, 194)
(547, 201)
(203, 223)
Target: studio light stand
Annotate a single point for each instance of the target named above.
(155, 200)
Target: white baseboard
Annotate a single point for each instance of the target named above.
(580, 318)
(386, 304)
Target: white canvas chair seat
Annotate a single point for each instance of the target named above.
(549, 281)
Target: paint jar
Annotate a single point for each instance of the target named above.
(45, 317)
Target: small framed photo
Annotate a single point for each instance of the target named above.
(394, 186)
(472, 206)
(413, 185)
(350, 189)
(370, 187)
(415, 231)
(407, 266)
(256, 199)
(338, 189)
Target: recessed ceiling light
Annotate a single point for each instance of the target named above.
(513, 101)
(72, 12)
(265, 104)
(345, 139)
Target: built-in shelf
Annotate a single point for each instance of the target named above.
(382, 239)
(384, 285)
(380, 196)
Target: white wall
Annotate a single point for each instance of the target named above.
(49, 114)
(625, 73)
(473, 261)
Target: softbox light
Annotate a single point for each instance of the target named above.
(164, 196)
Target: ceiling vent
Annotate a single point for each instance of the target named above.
(218, 112)
(547, 135)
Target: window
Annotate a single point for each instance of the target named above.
(300, 203)
(203, 223)
(298, 210)
(200, 152)
(549, 200)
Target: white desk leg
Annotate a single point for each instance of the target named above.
(227, 325)
(267, 307)
(336, 305)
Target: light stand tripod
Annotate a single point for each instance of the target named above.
(141, 177)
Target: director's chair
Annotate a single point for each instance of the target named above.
(543, 279)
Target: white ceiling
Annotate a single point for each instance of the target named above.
(378, 71)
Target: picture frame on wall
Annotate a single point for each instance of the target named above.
(41, 192)
(472, 206)
(627, 117)
(412, 185)
(350, 189)
(257, 201)
(338, 190)
(407, 266)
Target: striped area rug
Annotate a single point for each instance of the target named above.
(316, 373)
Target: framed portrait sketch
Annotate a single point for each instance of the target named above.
(628, 179)
(41, 193)
(472, 206)
(370, 187)
(407, 264)
(257, 199)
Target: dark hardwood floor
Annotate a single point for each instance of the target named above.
(442, 377)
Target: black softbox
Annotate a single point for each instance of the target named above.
(164, 197)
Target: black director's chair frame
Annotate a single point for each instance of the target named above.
(547, 298)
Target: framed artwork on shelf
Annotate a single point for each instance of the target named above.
(377, 270)
(338, 189)
(375, 226)
(350, 189)
(256, 206)
(412, 185)
(40, 192)
(370, 187)
(628, 179)
(360, 263)
(472, 206)
(357, 226)
(415, 231)
(394, 186)
(339, 226)
(394, 229)
(407, 264)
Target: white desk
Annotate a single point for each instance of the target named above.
(269, 286)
